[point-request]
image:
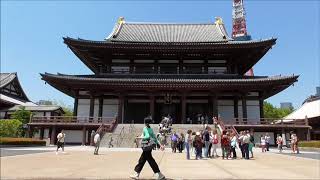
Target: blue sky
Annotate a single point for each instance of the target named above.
(31, 36)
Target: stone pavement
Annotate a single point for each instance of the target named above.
(79, 162)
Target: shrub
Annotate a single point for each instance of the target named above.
(10, 128)
(314, 144)
(21, 141)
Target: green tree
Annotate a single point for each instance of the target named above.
(22, 115)
(271, 111)
(10, 128)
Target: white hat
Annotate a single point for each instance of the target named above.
(198, 133)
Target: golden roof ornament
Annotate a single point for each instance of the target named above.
(218, 21)
(121, 20)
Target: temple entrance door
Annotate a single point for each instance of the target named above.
(136, 112)
(196, 110)
(162, 109)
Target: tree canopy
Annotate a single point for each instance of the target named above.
(271, 111)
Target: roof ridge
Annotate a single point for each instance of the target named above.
(166, 23)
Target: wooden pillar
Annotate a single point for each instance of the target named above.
(29, 132)
(41, 133)
(91, 106)
(75, 107)
(235, 109)
(308, 130)
(206, 68)
(156, 66)
(120, 107)
(183, 109)
(244, 108)
(53, 135)
(181, 66)
(152, 100)
(100, 106)
(215, 105)
(131, 67)
(83, 136)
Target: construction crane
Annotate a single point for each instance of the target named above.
(239, 25)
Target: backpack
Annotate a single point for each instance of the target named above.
(215, 139)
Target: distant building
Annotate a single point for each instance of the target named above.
(286, 105)
(12, 98)
(44, 102)
(318, 91)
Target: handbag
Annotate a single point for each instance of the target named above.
(148, 145)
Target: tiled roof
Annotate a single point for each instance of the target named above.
(149, 32)
(175, 79)
(6, 78)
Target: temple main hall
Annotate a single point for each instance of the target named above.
(184, 70)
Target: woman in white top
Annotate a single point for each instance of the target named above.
(215, 142)
(263, 143)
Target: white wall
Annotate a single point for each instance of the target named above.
(83, 107)
(2, 114)
(96, 108)
(225, 110)
(74, 136)
(110, 107)
(257, 135)
(253, 111)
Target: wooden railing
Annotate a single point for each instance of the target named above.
(265, 121)
(72, 119)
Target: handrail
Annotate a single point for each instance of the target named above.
(120, 136)
(72, 119)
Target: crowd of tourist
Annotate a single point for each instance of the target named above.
(204, 143)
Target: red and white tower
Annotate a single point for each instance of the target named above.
(239, 25)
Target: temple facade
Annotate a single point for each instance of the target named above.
(185, 70)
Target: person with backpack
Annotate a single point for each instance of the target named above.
(215, 142)
(148, 140)
(198, 145)
(225, 144)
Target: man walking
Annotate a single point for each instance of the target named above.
(96, 141)
(60, 143)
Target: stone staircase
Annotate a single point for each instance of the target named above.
(125, 134)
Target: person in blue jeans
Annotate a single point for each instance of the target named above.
(188, 142)
(206, 139)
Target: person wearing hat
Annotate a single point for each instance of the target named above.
(198, 145)
(146, 155)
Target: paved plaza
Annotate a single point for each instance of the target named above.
(79, 162)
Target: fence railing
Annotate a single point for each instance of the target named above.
(265, 121)
(72, 119)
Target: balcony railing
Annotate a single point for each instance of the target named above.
(73, 119)
(265, 121)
